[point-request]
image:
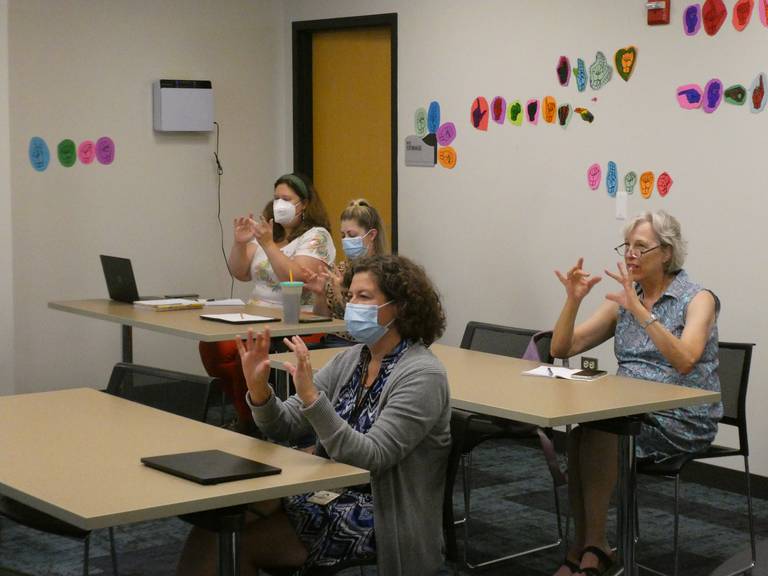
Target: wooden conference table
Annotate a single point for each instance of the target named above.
(75, 454)
(186, 323)
(494, 385)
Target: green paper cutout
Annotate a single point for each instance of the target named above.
(515, 113)
(625, 59)
(67, 153)
(420, 122)
(736, 95)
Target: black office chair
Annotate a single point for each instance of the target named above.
(469, 430)
(735, 361)
(176, 392)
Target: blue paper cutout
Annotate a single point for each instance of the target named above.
(39, 155)
(612, 179)
(581, 75)
(433, 117)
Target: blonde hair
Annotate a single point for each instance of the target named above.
(367, 217)
(667, 230)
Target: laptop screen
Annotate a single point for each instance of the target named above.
(118, 273)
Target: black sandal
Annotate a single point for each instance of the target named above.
(603, 560)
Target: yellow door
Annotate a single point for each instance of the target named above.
(351, 121)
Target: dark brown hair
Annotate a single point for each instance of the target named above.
(314, 213)
(420, 314)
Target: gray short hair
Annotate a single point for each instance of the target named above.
(667, 230)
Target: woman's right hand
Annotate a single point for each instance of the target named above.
(577, 282)
(245, 229)
(315, 281)
(254, 356)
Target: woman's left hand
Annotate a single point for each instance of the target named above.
(262, 231)
(302, 371)
(627, 298)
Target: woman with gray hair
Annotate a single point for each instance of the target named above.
(665, 329)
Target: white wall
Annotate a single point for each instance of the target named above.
(6, 248)
(81, 69)
(517, 206)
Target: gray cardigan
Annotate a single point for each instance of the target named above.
(405, 450)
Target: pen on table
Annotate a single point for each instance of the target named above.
(549, 371)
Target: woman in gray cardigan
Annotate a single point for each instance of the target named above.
(382, 405)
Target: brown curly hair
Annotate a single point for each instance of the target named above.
(420, 314)
(314, 211)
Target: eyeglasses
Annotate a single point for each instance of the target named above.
(625, 249)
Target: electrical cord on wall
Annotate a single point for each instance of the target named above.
(219, 173)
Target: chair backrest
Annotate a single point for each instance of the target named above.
(735, 362)
(176, 392)
(496, 339)
(543, 341)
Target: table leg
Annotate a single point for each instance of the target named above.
(626, 498)
(229, 559)
(127, 337)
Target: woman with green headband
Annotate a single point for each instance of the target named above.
(290, 238)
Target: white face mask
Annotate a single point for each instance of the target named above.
(284, 211)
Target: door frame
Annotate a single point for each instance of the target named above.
(302, 93)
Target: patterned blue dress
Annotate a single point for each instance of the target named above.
(343, 529)
(681, 429)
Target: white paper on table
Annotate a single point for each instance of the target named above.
(223, 302)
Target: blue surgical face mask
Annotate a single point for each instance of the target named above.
(362, 322)
(354, 247)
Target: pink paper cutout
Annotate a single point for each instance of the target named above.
(594, 175)
(86, 151)
(690, 96)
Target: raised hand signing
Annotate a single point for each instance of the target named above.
(254, 356)
(263, 232)
(627, 298)
(577, 282)
(245, 228)
(302, 371)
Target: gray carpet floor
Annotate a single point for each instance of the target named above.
(513, 508)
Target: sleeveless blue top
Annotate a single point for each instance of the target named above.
(689, 429)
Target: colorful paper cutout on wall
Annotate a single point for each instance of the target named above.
(690, 96)
(594, 174)
(498, 109)
(713, 13)
(713, 95)
(625, 59)
(420, 153)
(420, 122)
(757, 94)
(67, 153)
(479, 113)
(39, 155)
(630, 179)
(585, 114)
(446, 134)
(692, 19)
(549, 109)
(763, 11)
(446, 156)
(742, 13)
(105, 150)
(515, 113)
(564, 114)
(86, 152)
(581, 75)
(600, 72)
(663, 184)
(736, 95)
(612, 179)
(563, 70)
(646, 184)
(433, 117)
(532, 111)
